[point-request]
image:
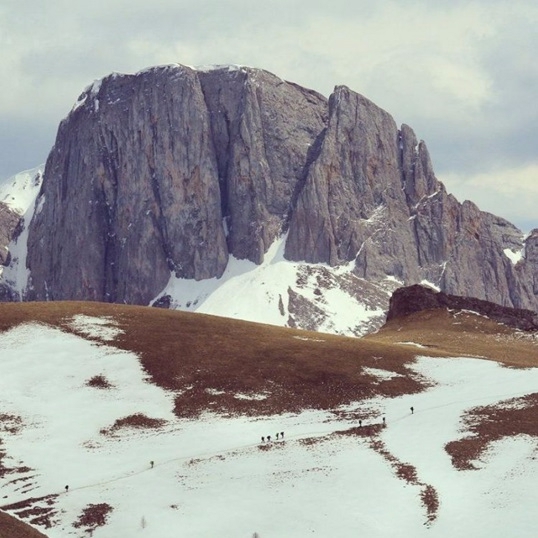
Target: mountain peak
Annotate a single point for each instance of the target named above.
(174, 171)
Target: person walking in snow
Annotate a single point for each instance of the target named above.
(277, 436)
(269, 438)
(152, 463)
(281, 435)
(66, 489)
(360, 423)
(384, 422)
(412, 409)
(263, 439)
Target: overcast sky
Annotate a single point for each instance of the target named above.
(462, 74)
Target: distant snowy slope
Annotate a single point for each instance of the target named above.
(280, 292)
(83, 414)
(20, 191)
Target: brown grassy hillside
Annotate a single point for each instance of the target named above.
(13, 528)
(194, 352)
(461, 334)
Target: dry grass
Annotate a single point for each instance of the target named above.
(93, 516)
(137, 421)
(99, 382)
(193, 352)
(11, 527)
(36, 510)
(492, 423)
(453, 334)
(294, 369)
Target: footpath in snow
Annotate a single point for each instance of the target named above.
(214, 477)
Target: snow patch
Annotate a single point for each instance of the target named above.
(164, 479)
(243, 396)
(410, 344)
(380, 374)
(261, 293)
(104, 328)
(20, 191)
(305, 338)
(429, 284)
(514, 256)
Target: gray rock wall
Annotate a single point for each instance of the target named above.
(174, 169)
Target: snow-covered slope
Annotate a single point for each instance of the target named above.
(71, 411)
(280, 292)
(19, 191)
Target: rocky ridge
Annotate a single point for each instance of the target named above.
(173, 170)
(411, 299)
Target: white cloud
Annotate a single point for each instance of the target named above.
(463, 74)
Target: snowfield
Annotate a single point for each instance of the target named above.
(61, 397)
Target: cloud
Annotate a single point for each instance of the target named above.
(463, 74)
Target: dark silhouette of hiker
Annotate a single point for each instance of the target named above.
(412, 409)
(269, 438)
(384, 422)
(152, 463)
(277, 436)
(66, 489)
(263, 439)
(360, 423)
(282, 435)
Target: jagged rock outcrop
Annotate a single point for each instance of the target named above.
(174, 169)
(352, 205)
(9, 220)
(130, 193)
(264, 131)
(409, 300)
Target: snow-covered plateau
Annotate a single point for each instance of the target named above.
(68, 409)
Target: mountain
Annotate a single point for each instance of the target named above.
(17, 198)
(154, 420)
(164, 185)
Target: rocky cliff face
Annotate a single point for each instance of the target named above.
(172, 170)
(9, 220)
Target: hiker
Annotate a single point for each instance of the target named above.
(66, 489)
(277, 436)
(282, 435)
(269, 438)
(384, 422)
(263, 439)
(412, 409)
(360, 423)
(152, 463)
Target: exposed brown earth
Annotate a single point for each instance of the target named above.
(487, 424)
(11, 527)
(93, 516)
(138, 421)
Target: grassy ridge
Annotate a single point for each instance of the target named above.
(462, 334)
(292, 369)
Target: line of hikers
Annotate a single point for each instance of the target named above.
(278, 436)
